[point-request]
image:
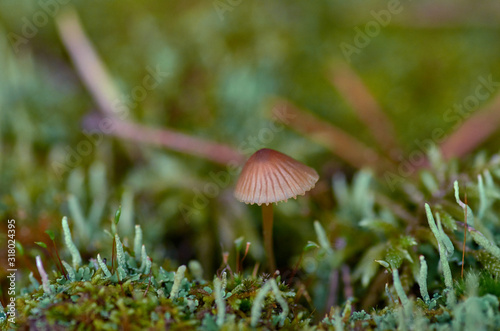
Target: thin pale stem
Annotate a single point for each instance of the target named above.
(267, 218)
(58, 258)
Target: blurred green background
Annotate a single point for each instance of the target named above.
(226, 63)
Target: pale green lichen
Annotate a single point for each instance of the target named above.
(483, 201)
(148, 266)
(475, 222)
(399, 288)
(196, 270)
(481, 235)
(144, 259)
(138, 242)
(481, 240)
(339, 324)
(258, 303)
(75, 254)
(422, 280)
(98, 192)
(33, 281)
(237, 301)
(120, 255)
(470, 215)
(179, 276)
(76, 214)
(103, 266)
(70, 270)
(279, 298)
(472, 283)
(224, 281)
(219, 301)
(429, 181)
(444, 238)
(448, 279)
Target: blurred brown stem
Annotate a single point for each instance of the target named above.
(100, 85)
(176, 141)
(357, 95)
(474, 131)
(336, 140)
(88, 64)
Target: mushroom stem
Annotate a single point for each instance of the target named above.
(267, 218)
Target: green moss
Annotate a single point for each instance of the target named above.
(320, 291)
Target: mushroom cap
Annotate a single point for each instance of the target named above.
(270, 176)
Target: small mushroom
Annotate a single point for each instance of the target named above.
(270, 176)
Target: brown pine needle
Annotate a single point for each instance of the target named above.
(475, 130)
(346, 146)
(358, 96)
(98, 81)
